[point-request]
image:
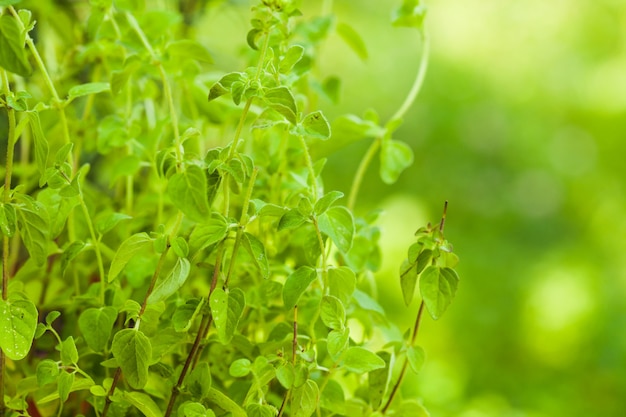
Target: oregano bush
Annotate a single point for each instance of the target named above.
(168, 245)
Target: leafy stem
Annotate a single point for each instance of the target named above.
(309, 165)
(399, 114)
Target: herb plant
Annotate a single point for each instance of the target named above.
(168, 246)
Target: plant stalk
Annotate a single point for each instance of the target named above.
(394, 391)
(399, 114)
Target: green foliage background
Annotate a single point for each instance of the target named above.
(520, 125)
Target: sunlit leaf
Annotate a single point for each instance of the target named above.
(226, 308)
(438, 287)
(395, 157)
(338, 224)
(360, 360)
(296, 285)
(96, 325)
(172, 283)
(126, 251)
(18, 321)
(353, 39)
(12, 51)
(188, 191)
(133, 352)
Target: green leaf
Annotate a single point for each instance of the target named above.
(52, 316)
(106, 222)
(209, 233)
(257, 251)
(47, 372)
(65, 382)
(395, 157)
(188, 49)
(69, 353)
(41, 145)
(70, 253)
(332, 312)
(199, 380)
(337, 222)
(8, 220)
(438, 287)
(316, 126)
(33, 226)
(410, 14)
(304, 399)
(359, 360)
(143, 402)
(353, 39)
(281, 99)
(18, 322)
(133, 352)
(226, 309)
(291, 220)
(240, 368)
(188, 191)
(410, 271)
(292, 56)
(296, 284)
(333, 398)
(260, 410)
(87, 89)
(76, 384)
(180, 247)
(12, 51)
(416, 357)
(172, 283)
(96, 325)
(378, 381)
(411, 408)
(337, 342)
(224, 85)
(326, 201)
(193, 409)
(185, 314)
(286, 374)
(127, 250)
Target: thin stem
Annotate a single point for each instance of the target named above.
(294, 344)
(443, 217)
(399, 114)
(96, 246)
(406, 361)
(309, 165)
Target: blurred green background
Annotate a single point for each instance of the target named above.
(521, 126)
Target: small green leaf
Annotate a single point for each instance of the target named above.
(172, 283)
(378, 381)
(332, 312)
(438, 287)
(226, 309)
(240, 368)
(326, 201)
(208, 233)
(87, 89)
(188, 191)
(286, 374)
(180, 247)
(291, 220)
(33, 225)
(47, 372)
(65, 382)
(296, 285)
(292, 56)
(337, 222)
(18, 322)
(304, 399)
(395, 157)
(337, 342)
(96, 325)
(71, 252)
(225, 84)
(185, 314)
(188, 49)
(69, 353)
(127, 250)
(133, 352)
(143, 402)
(41, 145)
(281, 99)
(12, 51)
(257, 251)
(316, 126)
(359, 360)
(8, 220)
(410, 271)
(353, 39)
(252, 36)
(333, 398)
(410, 14)
(106, 222)
(416, 357)
(199, 381)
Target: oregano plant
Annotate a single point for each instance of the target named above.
(168, 245)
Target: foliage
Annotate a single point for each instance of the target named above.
(167, 252)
